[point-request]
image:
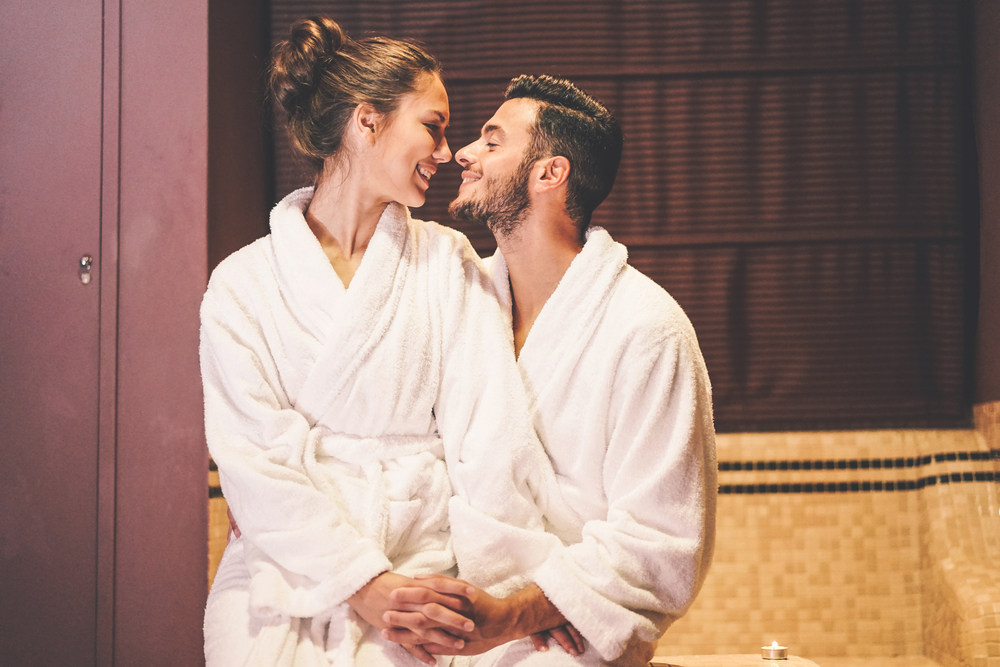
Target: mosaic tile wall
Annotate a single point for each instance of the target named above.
(849, 544)
(960, 549)
(827, 542)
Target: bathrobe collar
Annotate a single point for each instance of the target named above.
(350, 322)
(315, 291)
(572, 313)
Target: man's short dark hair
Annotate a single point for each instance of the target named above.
(574, 125)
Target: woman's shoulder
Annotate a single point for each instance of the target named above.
(244, 271)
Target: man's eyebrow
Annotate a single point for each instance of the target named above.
(493, 128)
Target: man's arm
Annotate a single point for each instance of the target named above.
(637, 569)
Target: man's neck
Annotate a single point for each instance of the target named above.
(537, 256)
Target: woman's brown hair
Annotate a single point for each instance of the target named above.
(319, 76)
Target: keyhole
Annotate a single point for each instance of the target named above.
(85, 263)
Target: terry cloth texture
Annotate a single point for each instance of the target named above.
(332, 414)
(621, 399)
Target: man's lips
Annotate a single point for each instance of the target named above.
(470, 177)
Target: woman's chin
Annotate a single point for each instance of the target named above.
(414, 201)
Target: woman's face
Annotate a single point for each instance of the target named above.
(413, 144)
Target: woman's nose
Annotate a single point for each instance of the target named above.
(443, 152)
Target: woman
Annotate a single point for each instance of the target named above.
(347, 358)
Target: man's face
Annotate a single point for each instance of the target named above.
(495, 175)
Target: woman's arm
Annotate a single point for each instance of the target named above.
(308, 553)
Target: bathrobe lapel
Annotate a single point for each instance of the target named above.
(570, 317)
(349, 323)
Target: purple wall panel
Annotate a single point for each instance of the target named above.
(161, 547)
(50, 207)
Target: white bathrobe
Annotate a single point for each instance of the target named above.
(621, 399)
(331, 414)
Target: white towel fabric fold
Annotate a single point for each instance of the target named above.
(331, 413)
(621, 399)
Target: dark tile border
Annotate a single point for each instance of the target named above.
(215, 491)
(859, 487)
(857, 464)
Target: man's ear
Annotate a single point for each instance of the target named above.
(555, 173)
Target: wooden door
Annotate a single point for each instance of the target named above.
(50, 218)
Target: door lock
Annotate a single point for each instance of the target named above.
(85, 263)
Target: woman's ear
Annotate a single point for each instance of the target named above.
(365, 120)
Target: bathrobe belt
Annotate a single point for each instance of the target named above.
(399, 471)
(362, 451)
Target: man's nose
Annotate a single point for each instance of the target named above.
(464, 156)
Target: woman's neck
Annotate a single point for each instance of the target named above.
(343, 216)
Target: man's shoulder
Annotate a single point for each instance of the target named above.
(438, 234)
(444, 240)
(640, 306)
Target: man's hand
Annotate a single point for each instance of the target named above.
(496, 620)
(568, 637)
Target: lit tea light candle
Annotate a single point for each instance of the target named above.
(774, 652)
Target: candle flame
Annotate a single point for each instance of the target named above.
(774, 644)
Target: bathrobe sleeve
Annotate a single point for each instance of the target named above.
(499, 471)
(637, 570)
(259, 443)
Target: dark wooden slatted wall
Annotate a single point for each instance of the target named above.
(792, 175)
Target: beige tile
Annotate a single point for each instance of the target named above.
(855, 576)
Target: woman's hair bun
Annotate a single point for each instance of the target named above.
(299, 60)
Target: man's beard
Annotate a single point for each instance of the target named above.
(504, 206)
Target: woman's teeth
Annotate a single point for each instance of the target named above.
(425, 173)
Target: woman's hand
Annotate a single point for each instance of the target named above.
(496, 620)
(374, 601)
(421, 609)
(233, 528)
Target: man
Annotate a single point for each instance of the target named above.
(619, 396)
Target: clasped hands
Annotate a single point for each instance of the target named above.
(435, 614)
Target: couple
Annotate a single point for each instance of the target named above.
(375, 394)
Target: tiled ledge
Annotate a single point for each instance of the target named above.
(746, 660)
(749, 660)
(898, 661)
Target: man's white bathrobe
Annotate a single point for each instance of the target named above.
(331, 414)
(621, 399)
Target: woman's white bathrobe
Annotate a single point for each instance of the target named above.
(331, 414)
(621, 399)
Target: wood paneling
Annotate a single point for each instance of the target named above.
(794, 174)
